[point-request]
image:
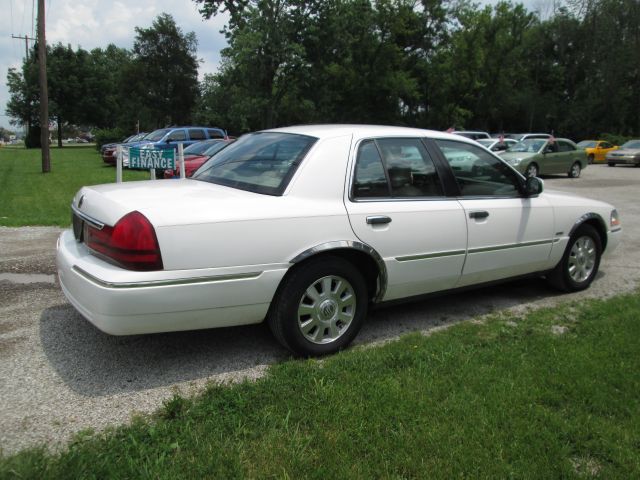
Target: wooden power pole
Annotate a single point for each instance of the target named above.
(44, 95)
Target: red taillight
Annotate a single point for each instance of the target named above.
(131, 243)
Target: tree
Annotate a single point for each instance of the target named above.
(164, 72)
(23, 90)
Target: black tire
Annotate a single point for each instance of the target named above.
(611, 164)
(574, 171)
(590, 159)
(532, 170)
(285, 319)
(561, 276)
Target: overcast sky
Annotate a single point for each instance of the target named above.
(96, 23)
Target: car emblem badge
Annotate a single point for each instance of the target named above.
(80, 201)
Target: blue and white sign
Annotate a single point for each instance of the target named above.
(148, 158)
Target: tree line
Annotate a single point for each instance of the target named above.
(430, 63)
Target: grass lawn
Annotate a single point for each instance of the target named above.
(29, 197)
(507, 398)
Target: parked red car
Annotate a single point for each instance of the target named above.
(195, 155)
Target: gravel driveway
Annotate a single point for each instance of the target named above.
(59, 375)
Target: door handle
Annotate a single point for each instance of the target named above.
(481, 214)
(378, 220)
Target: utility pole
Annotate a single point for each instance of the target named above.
(44, 94)
(26, 39)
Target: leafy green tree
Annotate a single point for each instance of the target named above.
(163, 76)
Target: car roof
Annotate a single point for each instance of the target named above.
(334, 130)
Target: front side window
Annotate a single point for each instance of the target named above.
(565, 146)
(477, 172)
(259, 162)
(395, 167)
(176, 136)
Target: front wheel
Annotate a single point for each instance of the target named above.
(320, 307)
(579, 264)
(574, 171)
(611, 164)
(532, 170)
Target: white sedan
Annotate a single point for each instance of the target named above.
(309, 226)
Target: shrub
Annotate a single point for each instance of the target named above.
(109, 135)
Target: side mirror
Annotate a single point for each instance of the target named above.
(533, 186)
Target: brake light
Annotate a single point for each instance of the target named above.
(131, 243)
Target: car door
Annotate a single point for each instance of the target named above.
(552, 161)
(508, 234)
(397, 205)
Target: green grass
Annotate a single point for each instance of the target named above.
(503, 399)
(29, 197)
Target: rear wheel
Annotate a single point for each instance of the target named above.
(320, 307)
(579, 264)
(574, 171)
(532, 170)
(611, 164)
(591, 159)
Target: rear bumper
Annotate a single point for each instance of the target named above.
(121, 302)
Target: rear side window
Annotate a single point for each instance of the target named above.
(196, 134)
(395, 167)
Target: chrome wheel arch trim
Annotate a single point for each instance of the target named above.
(592, 216)
(350, 245)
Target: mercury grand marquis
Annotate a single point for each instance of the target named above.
(308, 227)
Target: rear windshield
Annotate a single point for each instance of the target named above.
(587, 144)
(262, 162)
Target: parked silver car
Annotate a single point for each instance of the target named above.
(627, 154)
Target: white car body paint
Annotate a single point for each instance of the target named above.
(225, 251)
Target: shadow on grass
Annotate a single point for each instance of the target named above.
(93, 363)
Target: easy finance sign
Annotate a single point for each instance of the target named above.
(147, 158)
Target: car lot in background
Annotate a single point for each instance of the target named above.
(473, 135)
(546, 156)
(307, 226)
(496, 144)
(195, 155)
(521, 136)
(627, 154)
(108, 150)
(597, 149)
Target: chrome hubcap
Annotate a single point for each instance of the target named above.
(576, 170)
(326, 309)
(532, 171)
(582, 259)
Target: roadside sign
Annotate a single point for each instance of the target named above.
(150, 158)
